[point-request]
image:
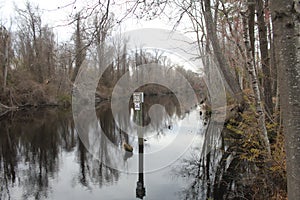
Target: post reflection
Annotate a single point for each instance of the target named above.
(140, 188)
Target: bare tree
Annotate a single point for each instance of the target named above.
(286, 20)
(35, 43)
(222, 61)
(4, 53)
(103, 23)
(265, 59)
(80, 48)
(255, 83)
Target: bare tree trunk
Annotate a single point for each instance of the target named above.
(286, 21)
(102, 26)
(4, 53)
(124, 59)
(255, 87)
(79, 57)
(6, 61)
(251, 24)
(273, 63)
(100, 42)
(277, 103)
(265, 63)
(222, 62)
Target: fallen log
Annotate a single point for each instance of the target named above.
(4, 109)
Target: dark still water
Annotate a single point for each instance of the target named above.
(42, 156)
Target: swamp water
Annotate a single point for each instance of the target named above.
(42, 156)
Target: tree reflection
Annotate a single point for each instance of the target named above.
(221, 172)
(32, 144)
(29, 151)
(93, 171)
(8, 152)
(207, 171)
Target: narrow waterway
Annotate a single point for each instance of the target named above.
(42, 156)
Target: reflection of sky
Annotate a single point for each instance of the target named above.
(163, 146)
(64, 179)
(186, 127)
(64, 186)
(160, 184)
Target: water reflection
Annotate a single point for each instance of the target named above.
(30, 149)
(42, 157)
(221, 172)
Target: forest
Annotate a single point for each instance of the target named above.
(255, 45)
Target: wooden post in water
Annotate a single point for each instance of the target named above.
(138, 99)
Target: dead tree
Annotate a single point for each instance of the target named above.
(4, 53)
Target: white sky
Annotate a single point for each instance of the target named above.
(59, 17)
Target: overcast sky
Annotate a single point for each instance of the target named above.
(59, 17)
(7, 7)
